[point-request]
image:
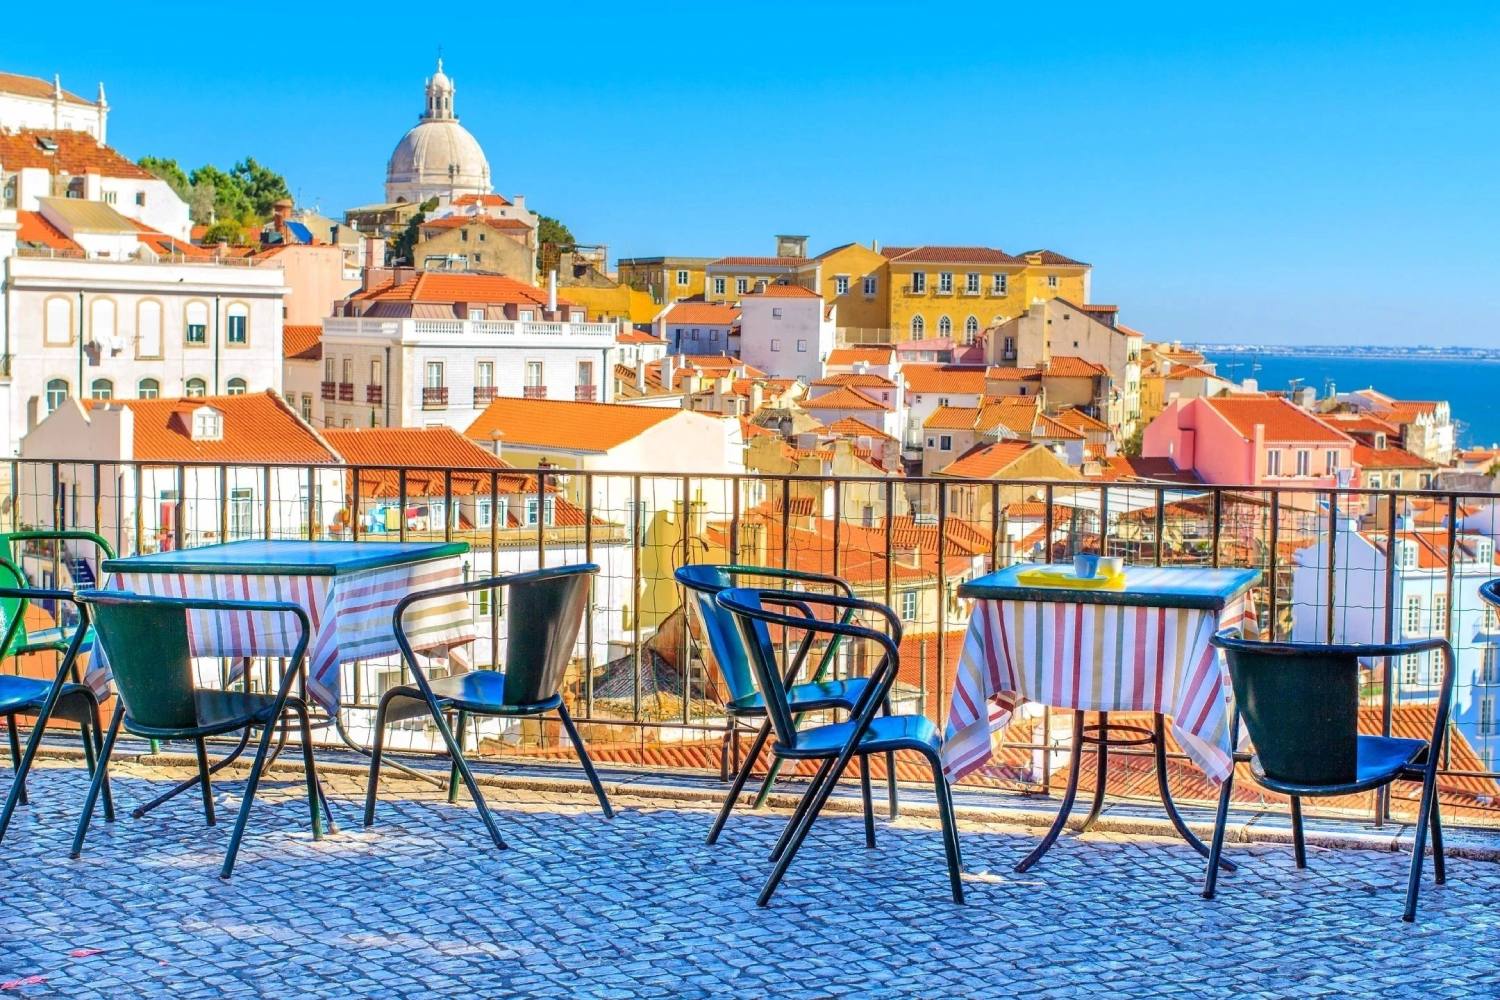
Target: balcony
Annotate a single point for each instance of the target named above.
(435, 397)
(484, 395)
(330, 390)
(346, 392)
(534, 392)
(911, 291)
(374, 394)
(585, 393)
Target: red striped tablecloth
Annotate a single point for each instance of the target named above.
(350, 615)
(1095, 657)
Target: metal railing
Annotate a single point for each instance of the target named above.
(906, 542)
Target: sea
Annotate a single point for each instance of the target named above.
(1471, 387)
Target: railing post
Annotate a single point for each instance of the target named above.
(353, 473)
(1333, 543)
(541, 518)
(942, 599)
(401, 500)
(265, 489)
(1047, 522)
(449, 508)
(1387, 694)
(177, 526)
(312, 503)
(684, 655)
(140, 545)
(1274, 562)
(223, 503)
(593, 598)
(1159, 524)
(637, 531)
(98, 526)
(1448, 583)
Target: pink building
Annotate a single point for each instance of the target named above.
(1249, 441)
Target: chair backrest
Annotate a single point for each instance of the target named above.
(146, 643)
(545, 612)
(1490, 592)
(743, 605)
(12, 609)
(722, 643)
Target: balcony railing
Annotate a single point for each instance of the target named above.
(585, 393)
(883, 535)
(374, 394)
(534, 392)
(434, 397)
(484, 395)
(330, 390)
(346, 392)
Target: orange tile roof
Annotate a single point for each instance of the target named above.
(451, 287)
(634, 336)
(950, 255)
(1052, 257)
(257, 427)
(1190, 371)
(758, 261)
(952, 418)
(76, 153)
(987, 460)
(967, 379)
(705, 313)
(410, 446)
(1054, 429)
(855, 428)
(879, 355)
(1097, 307)
(1282, 420)
(1079, 421)
(868, 380)
(1389, 457)
(302, 342)
(1121, 328)
(1068, 366)
(843, 398)
(960, 538)
(1019, 415)
(1004, 373)
(464, 200)
(719, 364)
(1123, 467)
(37, 232)
(563, 425)
(33, 86)
(786, 292)
(489, 221)
(1357, 423)
(1431, 545)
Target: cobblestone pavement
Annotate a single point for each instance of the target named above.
(422, 905)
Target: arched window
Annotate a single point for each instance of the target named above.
(195, 323)
(101, 388)
(945, 327)
(197, 387)
(235, 387)
(971, 329)
(57, 391)
(918, 328)
(102, 323)
(57, 328)
(148, 388)
(148, 329)
(237, 324)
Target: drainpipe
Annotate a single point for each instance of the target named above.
(216, 345)
(80, 346)
(385, 393)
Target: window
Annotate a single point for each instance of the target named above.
(328, 369)
(1051, 281)
(918, 282)
(945, 327)
(307, 407)
(718, 286)
(1304, 462)
(971, 329)
(775, 312)
(740, 285)
(1439, 614)
(531, 511)
(802, 347)
(534, 374)
(945, 442)
(434, 374)
(484, 374)
(918, 328)
(1413, 614)
(775, 343)
(476, 312)
(195, 387)
(140, 199)
(101, 388)
(841, 284)
(148, 329)
(147, 388)
(375, 371)
(1373, 482)
(110, 196)
(208, 424)
(102, 322)
(348, 369)
(682, 277)
(1486, 716)
(58, 326)
(945, 282)
(971, 283)
(1491, 619)
(870, 285)
(1273, 462)
(57, 391)
(235, 387)
(483, 516)
(238, 326)
(1379, 440)
(463, 236)
(241, 512)
(999, 286)
(1331, 462)
(908, 605)
(585, 373)
(195, 323)
(1411, 670)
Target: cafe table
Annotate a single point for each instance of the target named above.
(1139, 646)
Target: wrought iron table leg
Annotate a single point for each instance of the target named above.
(1101, 777)
(1067, 803)
(1159, 751)
(386, 759)
(194, 781)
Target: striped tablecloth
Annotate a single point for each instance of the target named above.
(350, 615)
(1096, 657)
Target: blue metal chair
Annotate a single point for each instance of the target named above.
(59, 698)
(545, 614)
(835, 744)
(1300, 704)
(146, 641)
(722, 646)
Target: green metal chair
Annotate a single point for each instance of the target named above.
(545, 614)
(1300, 704)
(835, 744)
(146, 641)
(723, 647)
(58, 698)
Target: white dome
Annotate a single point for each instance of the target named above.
(438, 157)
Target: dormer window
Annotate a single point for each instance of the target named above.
(1380, 441)
(208, 424)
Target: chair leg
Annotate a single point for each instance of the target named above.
(208, 791)
(1299, 848)
(466, 774)
(802, 806)
(251, 784)
(458, 734)
(1439, 864)
(738, 786)
(372, 785)
(890, 774)
(15, 756)
(583, 758)
(1419, 841)
(97, 782)
(96, 730)
(1216, 848)
(310, 768)
(804, 827)
(950, 829)
(868, 803)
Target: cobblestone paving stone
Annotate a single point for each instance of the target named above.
(421, 906)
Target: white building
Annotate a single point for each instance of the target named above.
(27, 102)
(1422, 609)
(786, 331)
(697, 327)
(431, 348)
(437, 158)
(302, 371)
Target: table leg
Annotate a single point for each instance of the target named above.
(1159, 747)
(1101, 782)
(1067, 803)
(386, 759)
(194, 781)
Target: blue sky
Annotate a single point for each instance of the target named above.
(1311, 173)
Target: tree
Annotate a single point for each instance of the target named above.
(224, 231)
(201, 202)
(262, 186)
(550, 230)
(1131, 446)
(169, 171)
(403, 247)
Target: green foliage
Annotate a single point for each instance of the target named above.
(1131, 446)
(550, 230)
(405, 245)
(224, 231)
(245, 193)
(169, 171)
(262, 186)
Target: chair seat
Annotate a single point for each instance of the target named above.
(885, 733)
(26, 694)
(217, 712)
(810, 697)
(56, 638)
(1379, 760)
(479, 691)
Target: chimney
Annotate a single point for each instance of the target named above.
(757, 396)
(640, 375)
(552, 291)
(373, 252)
(668, 371)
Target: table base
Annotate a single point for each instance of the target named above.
(1099, 735)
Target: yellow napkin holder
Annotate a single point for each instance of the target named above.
(1065, 577)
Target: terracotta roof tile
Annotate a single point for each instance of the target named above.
(257, 427)
(704, 313)
(987, 460)
(1052, 257)
(1004, 373)
(35, 231)
(566, 426)
(785, 292)
(1282, 420)
(958, 379)
(302, 342)
(1079, 421)
(34, 86)
(879, 355)
(952, 418)
(867, 380)
(494, 200)
(76, 153)
(1067, 366)
(1389, 457)
(851, 427)
(449, 287)
(758, 261)
(463, 221)
(843, 398)
(950, 255)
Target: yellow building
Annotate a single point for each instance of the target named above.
(665, 279)
(955, 292)
(607, 303)
(856, 279)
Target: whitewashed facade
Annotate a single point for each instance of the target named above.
(786, 334)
